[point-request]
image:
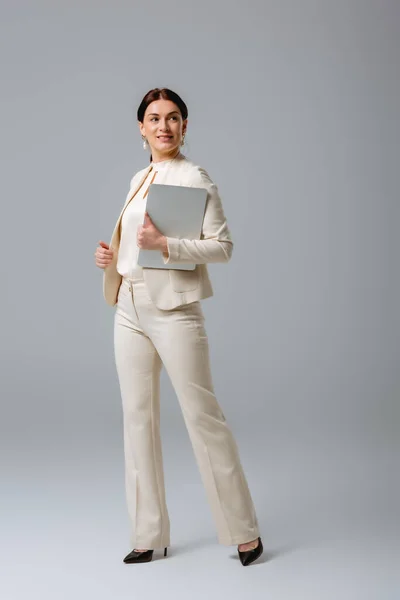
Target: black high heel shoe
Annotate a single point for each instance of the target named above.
(249, 556)
(140, 557)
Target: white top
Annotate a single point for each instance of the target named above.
(162, 164)
(133, 216)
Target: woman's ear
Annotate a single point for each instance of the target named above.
(141, 128)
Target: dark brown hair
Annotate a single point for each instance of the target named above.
(165, 94)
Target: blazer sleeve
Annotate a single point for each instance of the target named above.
(215, 243)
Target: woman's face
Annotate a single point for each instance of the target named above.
(163, 127)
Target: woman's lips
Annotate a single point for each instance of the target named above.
(165, 138)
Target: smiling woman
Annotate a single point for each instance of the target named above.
(162, 118)
(159, 321)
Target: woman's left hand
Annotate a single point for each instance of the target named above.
(149, 237)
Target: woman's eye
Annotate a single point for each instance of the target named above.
(156, 118)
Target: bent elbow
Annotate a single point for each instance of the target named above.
(227, 247)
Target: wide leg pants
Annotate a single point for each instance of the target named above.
(145, 338)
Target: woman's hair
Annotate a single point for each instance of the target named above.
(165, 94)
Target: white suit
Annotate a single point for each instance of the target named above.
(159, 321)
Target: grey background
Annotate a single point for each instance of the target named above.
(293, 110)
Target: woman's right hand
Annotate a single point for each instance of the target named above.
(104, 255)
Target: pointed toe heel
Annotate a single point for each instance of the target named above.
(249, 556)
(140, 557)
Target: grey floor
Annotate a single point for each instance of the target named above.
(327, 514)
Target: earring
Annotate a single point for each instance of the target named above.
(183, 141)
(144, 143)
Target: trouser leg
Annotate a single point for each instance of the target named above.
(138, 366)
(182, 345)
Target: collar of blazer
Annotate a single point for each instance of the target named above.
(181, 160)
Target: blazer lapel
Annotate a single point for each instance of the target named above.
(115, 238)
(135, 191)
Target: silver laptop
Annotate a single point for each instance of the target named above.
(177, 211)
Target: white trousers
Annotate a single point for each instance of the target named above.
(145, 338)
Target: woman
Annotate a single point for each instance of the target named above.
(159, 321)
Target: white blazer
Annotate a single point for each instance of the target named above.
(169, 288)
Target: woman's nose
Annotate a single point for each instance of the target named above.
(164, 125)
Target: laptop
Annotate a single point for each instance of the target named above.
(177, 211)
